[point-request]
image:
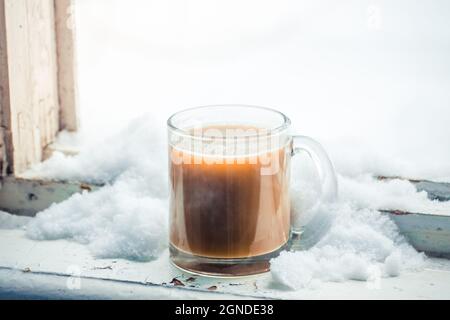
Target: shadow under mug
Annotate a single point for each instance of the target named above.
(230, 206)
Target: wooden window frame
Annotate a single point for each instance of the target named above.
(38, 91)
(38, 98)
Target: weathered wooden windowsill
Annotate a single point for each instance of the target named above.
(30, 196)
(64, 269)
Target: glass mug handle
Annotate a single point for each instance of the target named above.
(307, 230)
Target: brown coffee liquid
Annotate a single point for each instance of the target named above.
(229, 210)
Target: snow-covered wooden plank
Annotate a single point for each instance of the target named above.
(425, 232)
(435, 190)
(16, 284)
(51, 268)
(27, 196)
(65, 258)
(439, 191)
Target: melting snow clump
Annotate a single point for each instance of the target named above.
(127, 218)
(362, 244)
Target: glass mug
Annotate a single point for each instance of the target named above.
(230, 207)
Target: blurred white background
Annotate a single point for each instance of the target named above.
(368, 79)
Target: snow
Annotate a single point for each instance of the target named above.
(125, 219)
(393, 264)
(365, 191)
(362, 244)
(128, 217)
(9, 221)
(139, 147)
